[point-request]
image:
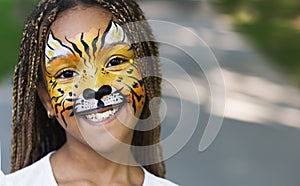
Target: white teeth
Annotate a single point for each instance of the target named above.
(97, 117)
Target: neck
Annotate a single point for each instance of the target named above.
(81, 161)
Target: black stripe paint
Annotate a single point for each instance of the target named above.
(106, 32)
(75, 47)
(62, 44)
(94, 44)
(86, 46)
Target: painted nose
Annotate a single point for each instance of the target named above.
(102, 91)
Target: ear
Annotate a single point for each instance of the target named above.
(45, 99)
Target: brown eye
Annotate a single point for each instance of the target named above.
(67, 74)
(116, 61)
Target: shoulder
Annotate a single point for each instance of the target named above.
(2, 178)
(151, 180)
(39, 173)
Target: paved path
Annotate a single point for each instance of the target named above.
(259, 140)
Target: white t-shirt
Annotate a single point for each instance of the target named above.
(40, 174)
(2, 177)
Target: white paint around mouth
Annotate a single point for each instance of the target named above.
(86, 105)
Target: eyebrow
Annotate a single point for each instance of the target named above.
(51, 60)
(56, 47)
(118, 43)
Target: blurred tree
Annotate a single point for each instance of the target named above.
(273, 26)
(23, 8)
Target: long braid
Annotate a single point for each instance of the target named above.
(34, 135)
(153, 88)
(33, 73)
(24, 91)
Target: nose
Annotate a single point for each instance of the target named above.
(89, 93)
(102, 91)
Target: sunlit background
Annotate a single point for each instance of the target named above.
(257, 45)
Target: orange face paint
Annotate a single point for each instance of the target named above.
(93, 71)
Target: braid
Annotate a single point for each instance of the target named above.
(25, 122)
(34, 135)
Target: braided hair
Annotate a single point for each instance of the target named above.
(34, 134)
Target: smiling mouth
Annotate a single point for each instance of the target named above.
(100, 115)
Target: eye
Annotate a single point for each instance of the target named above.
(116, 61)
(67, 74)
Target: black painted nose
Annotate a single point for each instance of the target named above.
(89, 93)
(102, 91)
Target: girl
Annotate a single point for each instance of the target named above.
(82, 92)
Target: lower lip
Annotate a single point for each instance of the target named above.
(103, 122)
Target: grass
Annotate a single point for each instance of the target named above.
(273, 26)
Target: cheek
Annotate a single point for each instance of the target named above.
(137, 99)
(135, 90)
(62, 99)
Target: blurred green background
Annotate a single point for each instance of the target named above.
(12, 19)
(271, 25)
(10, 34)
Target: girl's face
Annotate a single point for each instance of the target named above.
(94, 83)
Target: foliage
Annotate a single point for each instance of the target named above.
(273, 26)
(10, 35)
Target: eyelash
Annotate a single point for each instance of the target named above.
(63, 75)
(118, 62)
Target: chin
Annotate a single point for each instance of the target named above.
(108, 131)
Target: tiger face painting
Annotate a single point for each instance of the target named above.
(92, 74)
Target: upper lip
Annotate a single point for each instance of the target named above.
(98, 110)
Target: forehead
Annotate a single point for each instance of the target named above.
(80, 19)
